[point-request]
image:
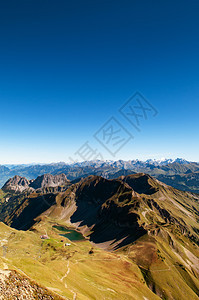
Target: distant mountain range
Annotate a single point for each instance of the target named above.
(178, 173)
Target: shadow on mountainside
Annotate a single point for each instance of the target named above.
(23, 217)
(113, 224)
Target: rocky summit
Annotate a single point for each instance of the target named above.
(20, 184)
(16, 184)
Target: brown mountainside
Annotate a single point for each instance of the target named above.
(149, 223)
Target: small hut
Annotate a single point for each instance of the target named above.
(44, 237)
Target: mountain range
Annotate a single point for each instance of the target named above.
(178, 173)
(137, 236)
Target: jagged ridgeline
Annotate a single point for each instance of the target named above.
(179, 173)
(138, 221)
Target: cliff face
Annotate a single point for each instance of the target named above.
(16, 184)
(48, 180)
(19, 184)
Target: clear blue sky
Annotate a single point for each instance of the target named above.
(66, 67)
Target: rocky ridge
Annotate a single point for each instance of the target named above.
(20, 184)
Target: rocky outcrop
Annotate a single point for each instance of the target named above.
(14, 285)
(48, 180)
(16, 184)
(19, 184)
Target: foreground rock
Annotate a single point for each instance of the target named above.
(16, 286)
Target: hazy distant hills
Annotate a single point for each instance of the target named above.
(178, 173)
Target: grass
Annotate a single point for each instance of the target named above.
(123, 274)
(92, 276)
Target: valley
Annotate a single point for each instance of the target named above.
(131, 238)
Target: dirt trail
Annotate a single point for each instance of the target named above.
(67, 272)
(65, 284)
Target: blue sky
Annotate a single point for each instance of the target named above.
(66, 67)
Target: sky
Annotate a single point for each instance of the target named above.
(75, 76)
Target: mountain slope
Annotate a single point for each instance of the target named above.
(79, 271)
(184, 182)
(94, 198)
(147, 223)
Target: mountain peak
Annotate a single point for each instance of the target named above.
(21, 184)
(16, 184)
(49, 180)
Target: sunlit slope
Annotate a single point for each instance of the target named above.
(70, 272)
(149, 229)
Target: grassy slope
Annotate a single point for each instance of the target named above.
(165, 259)
(71, 271)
